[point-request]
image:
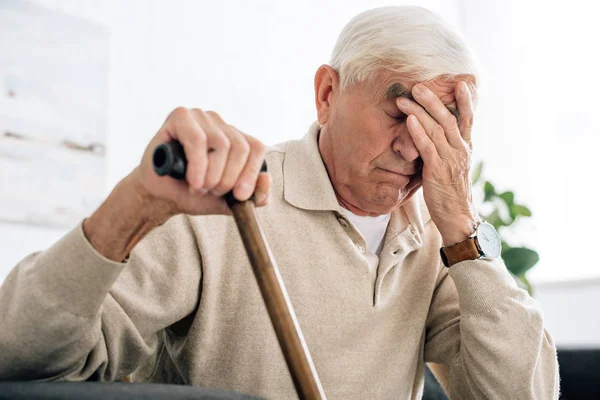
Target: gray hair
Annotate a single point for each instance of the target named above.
(409, 40)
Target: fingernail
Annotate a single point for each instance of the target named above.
(203, 191)
(260, 197)
(404, 102)
(217, 193)
(464, 88)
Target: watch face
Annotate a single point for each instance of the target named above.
(489, 240)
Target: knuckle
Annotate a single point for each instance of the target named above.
(180, 125)
(221, 141)
(216, 118)
(199, 134)
(213, 114)
(199, 116)
(257, 146)
(469, 121)
(242, 146)
(437, 131)
(179, 113)
(429, 149)
(197, 138)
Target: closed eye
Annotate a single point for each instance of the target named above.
(399, 118)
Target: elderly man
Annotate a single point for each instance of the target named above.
(383, 279)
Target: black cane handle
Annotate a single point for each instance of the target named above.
(169, 159)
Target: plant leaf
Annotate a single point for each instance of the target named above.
(519, 260)
(525, 281)
(495, 219)
(505, 247)
(476, 174)
(489, 191)
(517, 210)
(508, 197)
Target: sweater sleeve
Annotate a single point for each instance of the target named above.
(68, 313)
(488, 335)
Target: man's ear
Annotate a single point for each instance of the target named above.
(326, 87)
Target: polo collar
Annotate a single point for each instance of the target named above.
(306, 184)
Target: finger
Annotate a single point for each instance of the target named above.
(239, 150)
(184, 128)
(218, 145)
(245, 185)
(440, 113)
(464, 100)
(431, 128)
(413, 186)
(423, 142)
(262, 193)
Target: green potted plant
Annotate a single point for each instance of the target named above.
(503, 212)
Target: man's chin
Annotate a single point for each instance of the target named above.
(391, 196)
(383, 197)
(388, 198)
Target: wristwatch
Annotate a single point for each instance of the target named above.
(485, 242)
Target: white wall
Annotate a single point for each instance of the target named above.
(571, 311)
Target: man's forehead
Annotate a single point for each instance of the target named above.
(441, 88)
(444, 90)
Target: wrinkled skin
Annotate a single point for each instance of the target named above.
(379, 148)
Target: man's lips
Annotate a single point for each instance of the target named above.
(397, 178)
(403, 173)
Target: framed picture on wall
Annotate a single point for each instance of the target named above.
(53, 101)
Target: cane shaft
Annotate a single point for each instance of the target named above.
(169, 159)
(278, 303)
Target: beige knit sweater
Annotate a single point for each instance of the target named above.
(186, 309)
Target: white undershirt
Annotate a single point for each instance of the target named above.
(371, 228)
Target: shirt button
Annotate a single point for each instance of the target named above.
(360, 247)
(343, 222)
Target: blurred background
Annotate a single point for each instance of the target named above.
(85, 84)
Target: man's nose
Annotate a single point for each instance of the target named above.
(405, 146)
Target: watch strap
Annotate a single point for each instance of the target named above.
(463, 251)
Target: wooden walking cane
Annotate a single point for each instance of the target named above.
(169, 159)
